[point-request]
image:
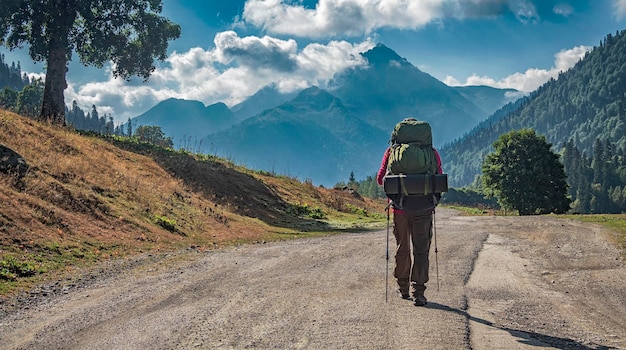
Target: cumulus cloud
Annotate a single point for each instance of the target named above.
(532, 78)
(235, 68)
(338, 17)
(331, 18)
(266, 52)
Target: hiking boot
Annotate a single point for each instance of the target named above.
(420, 300)
(403, 288)
(418, 294)
(404, 294)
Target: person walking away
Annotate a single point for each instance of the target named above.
(412, 215)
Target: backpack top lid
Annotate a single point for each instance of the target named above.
(410, 130)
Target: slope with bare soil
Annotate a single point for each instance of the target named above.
(77, 199)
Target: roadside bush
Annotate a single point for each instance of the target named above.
(11, 269)
(166, 223)
(304, 210)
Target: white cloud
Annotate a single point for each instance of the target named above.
(339, 17)
(116, 97)
(525, 11)
(234, 69)
(620, 9)
(252, 51)
(532, 78)
(563, 9)
(35, 76)
(350, 18)
(566, 59)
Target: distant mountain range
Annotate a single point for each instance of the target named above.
(325, 134)
(314, 136)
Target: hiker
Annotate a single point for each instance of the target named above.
(412, 215)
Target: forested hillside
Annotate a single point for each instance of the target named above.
(11, 75)
(584, 108)
(25, 97)
(13, 80)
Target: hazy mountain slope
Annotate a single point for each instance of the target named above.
(185, 120)
(266, 98)
(312, 137)
(487, 98)
(389, 89)
(584, 104)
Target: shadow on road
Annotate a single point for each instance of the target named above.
(557, 342)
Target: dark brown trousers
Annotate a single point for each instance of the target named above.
(412, 231)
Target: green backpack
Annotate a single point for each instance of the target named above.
(411, 149)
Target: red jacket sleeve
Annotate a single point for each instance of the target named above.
(439, 168)
(383, 168)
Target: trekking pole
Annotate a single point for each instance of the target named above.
(436, 251)
(387, 257)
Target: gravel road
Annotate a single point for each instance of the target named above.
(504, 283)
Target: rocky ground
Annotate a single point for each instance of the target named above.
(503, 283)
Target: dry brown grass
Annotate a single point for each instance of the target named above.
(87, 198)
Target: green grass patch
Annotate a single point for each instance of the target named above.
(613, 222)
(304, 210)
(481, 211)
(356, 210)
(11, 269)
(23, 269)
(168, 224)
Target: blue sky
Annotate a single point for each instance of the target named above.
(229, 49)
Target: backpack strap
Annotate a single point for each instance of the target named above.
(402, 185)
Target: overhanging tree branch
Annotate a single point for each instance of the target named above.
(129, 33)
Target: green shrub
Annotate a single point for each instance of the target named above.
(168, 224)
(356, 210)
(305, 210)
(317, 213)
(11, 269)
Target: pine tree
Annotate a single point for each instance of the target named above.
(598, 160)
(352, 182)
(129, 129)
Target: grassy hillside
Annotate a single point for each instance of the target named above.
(87, 198)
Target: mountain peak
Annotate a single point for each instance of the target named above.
(382, 55)
(314, 96)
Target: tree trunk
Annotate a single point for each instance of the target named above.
(53, 107)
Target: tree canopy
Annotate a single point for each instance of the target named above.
(524, 174)
(153, 135)
(129, 33)
(28, 100)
